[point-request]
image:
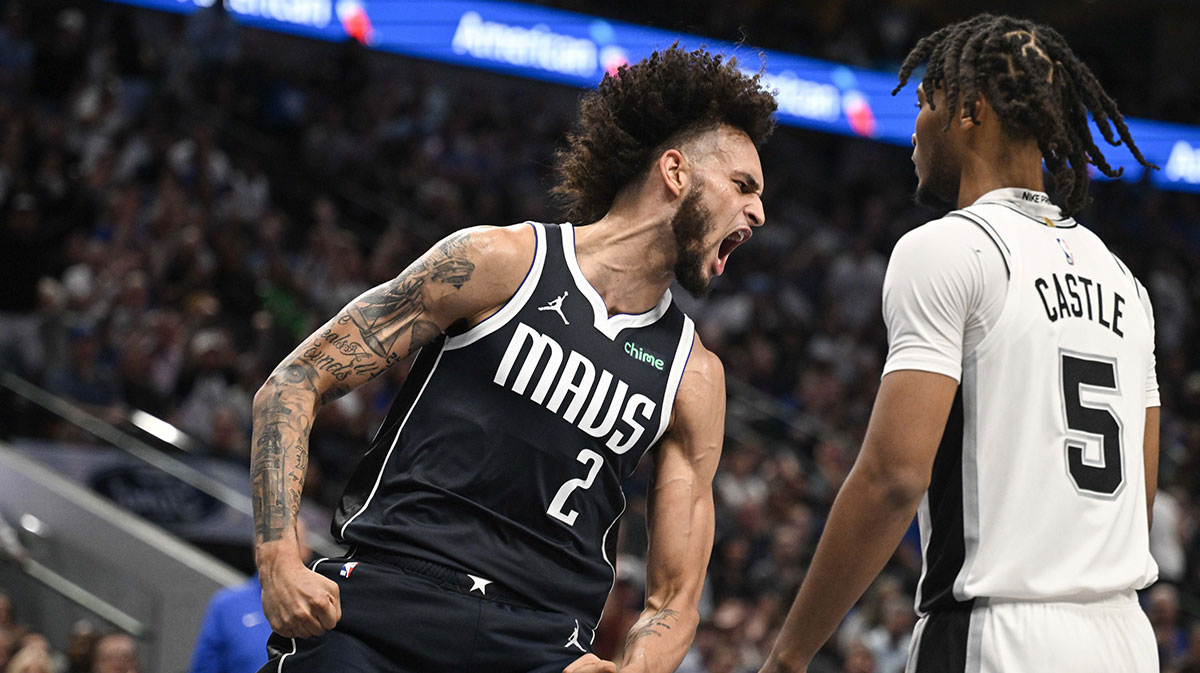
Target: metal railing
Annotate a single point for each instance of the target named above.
(85, 599)
(144, 452)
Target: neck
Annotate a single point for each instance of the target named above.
(1019, 166)
(628, 258)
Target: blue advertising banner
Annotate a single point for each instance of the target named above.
(577, 50)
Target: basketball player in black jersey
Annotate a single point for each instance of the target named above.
(481, 522)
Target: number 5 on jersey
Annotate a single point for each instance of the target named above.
(593, 460)
(1079, 371)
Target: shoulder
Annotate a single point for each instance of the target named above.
(951, 249)
(698, 419)
(498, 248)
(478, 269)
(703, 383)
(952, 234)
(704, 366)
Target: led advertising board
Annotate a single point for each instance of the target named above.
(577, 50)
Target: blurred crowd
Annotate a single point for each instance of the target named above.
(87, 650)
(182, 201)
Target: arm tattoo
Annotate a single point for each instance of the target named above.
(380, 328)
(279, 462)
(389, 312)
(654, 625)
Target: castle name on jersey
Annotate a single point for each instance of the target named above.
(1068, 302)
(579, 397)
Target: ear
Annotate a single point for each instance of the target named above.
(673, 171)
(983, 113)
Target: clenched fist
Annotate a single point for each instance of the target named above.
(298, 602)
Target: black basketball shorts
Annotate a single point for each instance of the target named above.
(404, 615)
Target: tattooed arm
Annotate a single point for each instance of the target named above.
(681, 523)
(467, 276)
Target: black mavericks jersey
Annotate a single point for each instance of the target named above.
(504, 453)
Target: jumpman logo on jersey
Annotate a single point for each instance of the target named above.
(574, 639)
(556, 306)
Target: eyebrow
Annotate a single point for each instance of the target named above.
(749, 180)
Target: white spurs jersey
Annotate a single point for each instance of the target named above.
(1038, 488)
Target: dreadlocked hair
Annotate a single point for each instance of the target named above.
(661, 102)
(1037, 86)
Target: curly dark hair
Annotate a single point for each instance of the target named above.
(663, 101)
(1037, 86)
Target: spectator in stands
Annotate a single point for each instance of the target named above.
(31, 659)
(1163, 611)
(23, 260)
(8, 642)
(860, 659)
(16, 50)
(81, 646)
(9, 631)
(210, 383)
(888, 642)
(87, 378)
(116, 653)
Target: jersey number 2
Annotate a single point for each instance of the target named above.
(593, 460)
(1079, 371)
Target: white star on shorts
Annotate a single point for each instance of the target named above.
(479, 583)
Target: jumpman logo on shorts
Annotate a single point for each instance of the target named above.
(556, 306)
(574, 639)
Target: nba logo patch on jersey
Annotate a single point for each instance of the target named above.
(348, 568)
(1066, 251)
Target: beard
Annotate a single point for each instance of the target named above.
(939, 189)
(690, 224)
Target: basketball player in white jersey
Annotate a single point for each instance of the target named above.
(1018, 411)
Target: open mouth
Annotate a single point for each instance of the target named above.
(728, 245)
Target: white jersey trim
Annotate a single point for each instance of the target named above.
(970, 474)
(609, 326)
(515, 303)
(395, 440)
(604, 553)
(683, 353)
(295, 648)
(975, 623)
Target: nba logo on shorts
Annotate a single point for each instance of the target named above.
(1066, 251)
(348, 568)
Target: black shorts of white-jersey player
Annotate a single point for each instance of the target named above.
(1018, 410)
(481, 523)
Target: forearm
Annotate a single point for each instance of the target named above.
(865, 526)
(283, 413)
(1150, 460)
(659, 640)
